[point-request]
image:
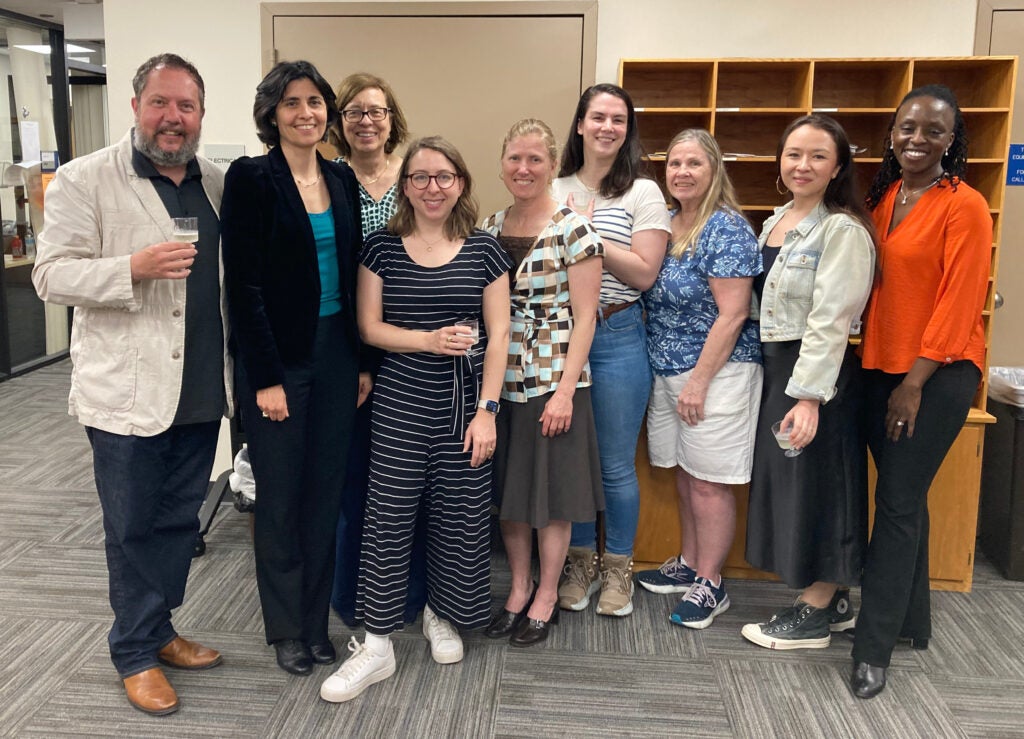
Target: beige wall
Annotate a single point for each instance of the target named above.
(222, 37)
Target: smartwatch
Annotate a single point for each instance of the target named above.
(491, 406)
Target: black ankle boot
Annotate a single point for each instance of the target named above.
(867, 681)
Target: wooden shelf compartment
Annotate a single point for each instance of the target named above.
(755, 182)
(988, 178)
(988, 134)
(668, 83)
(757, 215)
(866, 130)
(751, 133)
(977, 82)
(751, 83)
(880, 83)
(656, 129)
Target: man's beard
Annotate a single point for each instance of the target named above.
(161, 158)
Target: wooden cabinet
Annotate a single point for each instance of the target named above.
(746, 104)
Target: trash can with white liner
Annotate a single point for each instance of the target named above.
(1001, 515)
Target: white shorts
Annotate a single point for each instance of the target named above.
(721, 447)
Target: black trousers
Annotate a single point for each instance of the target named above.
(299, 468)
(895, 597)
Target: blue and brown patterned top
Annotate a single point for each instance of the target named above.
(541, 312)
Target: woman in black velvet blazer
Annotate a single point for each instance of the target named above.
(291, 233)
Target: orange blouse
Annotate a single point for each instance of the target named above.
(929, 295)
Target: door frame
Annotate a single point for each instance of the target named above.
(983, 23)
(585, 9)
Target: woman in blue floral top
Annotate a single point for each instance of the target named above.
(547, 466)
(705, 354)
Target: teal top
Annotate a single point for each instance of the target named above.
(327, 260)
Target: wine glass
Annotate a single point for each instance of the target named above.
(469, 327)
(782, 439)
(186, 230)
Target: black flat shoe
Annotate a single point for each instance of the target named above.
(867, 681)
(505, 622)
(533, 631)
(293, 656)
(323, 653)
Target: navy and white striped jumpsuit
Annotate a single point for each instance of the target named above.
(422, 404)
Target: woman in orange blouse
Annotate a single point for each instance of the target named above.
(923, 354)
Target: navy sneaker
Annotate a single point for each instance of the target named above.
(702, 602)
(799, 626)
(672, 577)
(840, 611)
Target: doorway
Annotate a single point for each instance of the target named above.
(466, 71)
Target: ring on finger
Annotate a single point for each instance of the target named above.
(901, 423)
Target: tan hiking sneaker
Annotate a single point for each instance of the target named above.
(616, 585)
(580, 579)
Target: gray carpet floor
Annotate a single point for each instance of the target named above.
(596, 676)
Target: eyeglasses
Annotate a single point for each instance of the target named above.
(354, 115)
(421, 180)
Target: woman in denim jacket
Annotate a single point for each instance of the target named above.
(807, 519)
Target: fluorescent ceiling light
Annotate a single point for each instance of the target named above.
(45, 49)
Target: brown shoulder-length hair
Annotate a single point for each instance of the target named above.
(348, 89)
(462, 220)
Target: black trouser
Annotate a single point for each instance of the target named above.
(299, 468)
(895, 599)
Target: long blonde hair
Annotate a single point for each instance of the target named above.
(720, 195)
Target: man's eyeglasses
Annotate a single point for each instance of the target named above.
(354, 115)
(421, 180)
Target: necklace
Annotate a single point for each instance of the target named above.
(308, 184)
(905, 194)
(380, 174)
(430, 244)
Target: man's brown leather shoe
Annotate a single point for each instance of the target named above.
(188, 655)
(150, 692)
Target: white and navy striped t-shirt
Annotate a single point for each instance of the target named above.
(616, 220)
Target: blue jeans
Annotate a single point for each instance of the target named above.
(622, 386)
(150, 490)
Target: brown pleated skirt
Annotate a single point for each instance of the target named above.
(539, 479)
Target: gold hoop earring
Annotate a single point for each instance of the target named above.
(779, 187)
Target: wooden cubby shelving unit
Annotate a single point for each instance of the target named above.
(746, 104)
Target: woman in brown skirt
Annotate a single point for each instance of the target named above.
(546, 466)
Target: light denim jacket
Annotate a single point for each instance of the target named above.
(816, 291)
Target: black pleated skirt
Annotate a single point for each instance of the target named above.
(807, 516)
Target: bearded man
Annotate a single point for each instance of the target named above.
(151, 377)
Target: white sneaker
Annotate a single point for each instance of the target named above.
(358, 672)
(445, 642)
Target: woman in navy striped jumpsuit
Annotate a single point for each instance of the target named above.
(433, 430)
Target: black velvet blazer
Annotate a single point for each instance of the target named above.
(271, 273)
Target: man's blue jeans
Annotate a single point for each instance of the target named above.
(150, 489)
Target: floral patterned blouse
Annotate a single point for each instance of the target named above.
(541, 312)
